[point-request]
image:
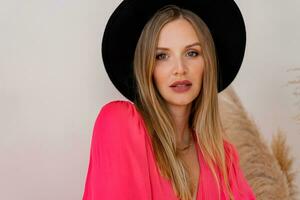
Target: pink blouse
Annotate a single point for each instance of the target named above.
(122, 165)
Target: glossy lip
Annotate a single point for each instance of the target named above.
(181, 88)
(184, 82)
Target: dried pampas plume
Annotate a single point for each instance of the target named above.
(268, 172)
(281, 152)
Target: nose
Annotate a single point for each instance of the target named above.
(179, 67)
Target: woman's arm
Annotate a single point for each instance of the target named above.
(118, 168)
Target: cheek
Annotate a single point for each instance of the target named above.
(198, 71)
(159, 76)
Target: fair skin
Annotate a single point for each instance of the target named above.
(179, 57)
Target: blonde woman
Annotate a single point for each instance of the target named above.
(167, 143)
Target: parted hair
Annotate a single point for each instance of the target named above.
(204, 117)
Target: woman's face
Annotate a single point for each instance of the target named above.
(178, 58)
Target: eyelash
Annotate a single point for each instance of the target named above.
(157, 56)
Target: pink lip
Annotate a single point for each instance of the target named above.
(184, 82)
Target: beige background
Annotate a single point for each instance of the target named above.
(53, 83)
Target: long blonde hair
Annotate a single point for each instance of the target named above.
(204, 117)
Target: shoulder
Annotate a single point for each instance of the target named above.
(118, 119)
(118, 111)
(237, 179)
(231, 153)
(233, 162)
(117, 108)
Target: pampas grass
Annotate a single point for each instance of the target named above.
(281, 152)
(268, 170)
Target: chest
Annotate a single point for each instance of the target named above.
(191, 161)
(162, 187)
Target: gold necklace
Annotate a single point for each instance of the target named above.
(185, 148)
(188, 146)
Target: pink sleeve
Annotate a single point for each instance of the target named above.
(118, 168)
(238, 182)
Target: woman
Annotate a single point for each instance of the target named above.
(170, 143)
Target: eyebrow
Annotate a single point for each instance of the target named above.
(188, 46)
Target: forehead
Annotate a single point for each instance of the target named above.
(176, 33)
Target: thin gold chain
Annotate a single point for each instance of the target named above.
(188, 146)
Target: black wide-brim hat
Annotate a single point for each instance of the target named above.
(126, 23)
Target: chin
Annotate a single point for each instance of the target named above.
(176, 101)
(180, 99)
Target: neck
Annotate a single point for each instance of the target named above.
(180, 116)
